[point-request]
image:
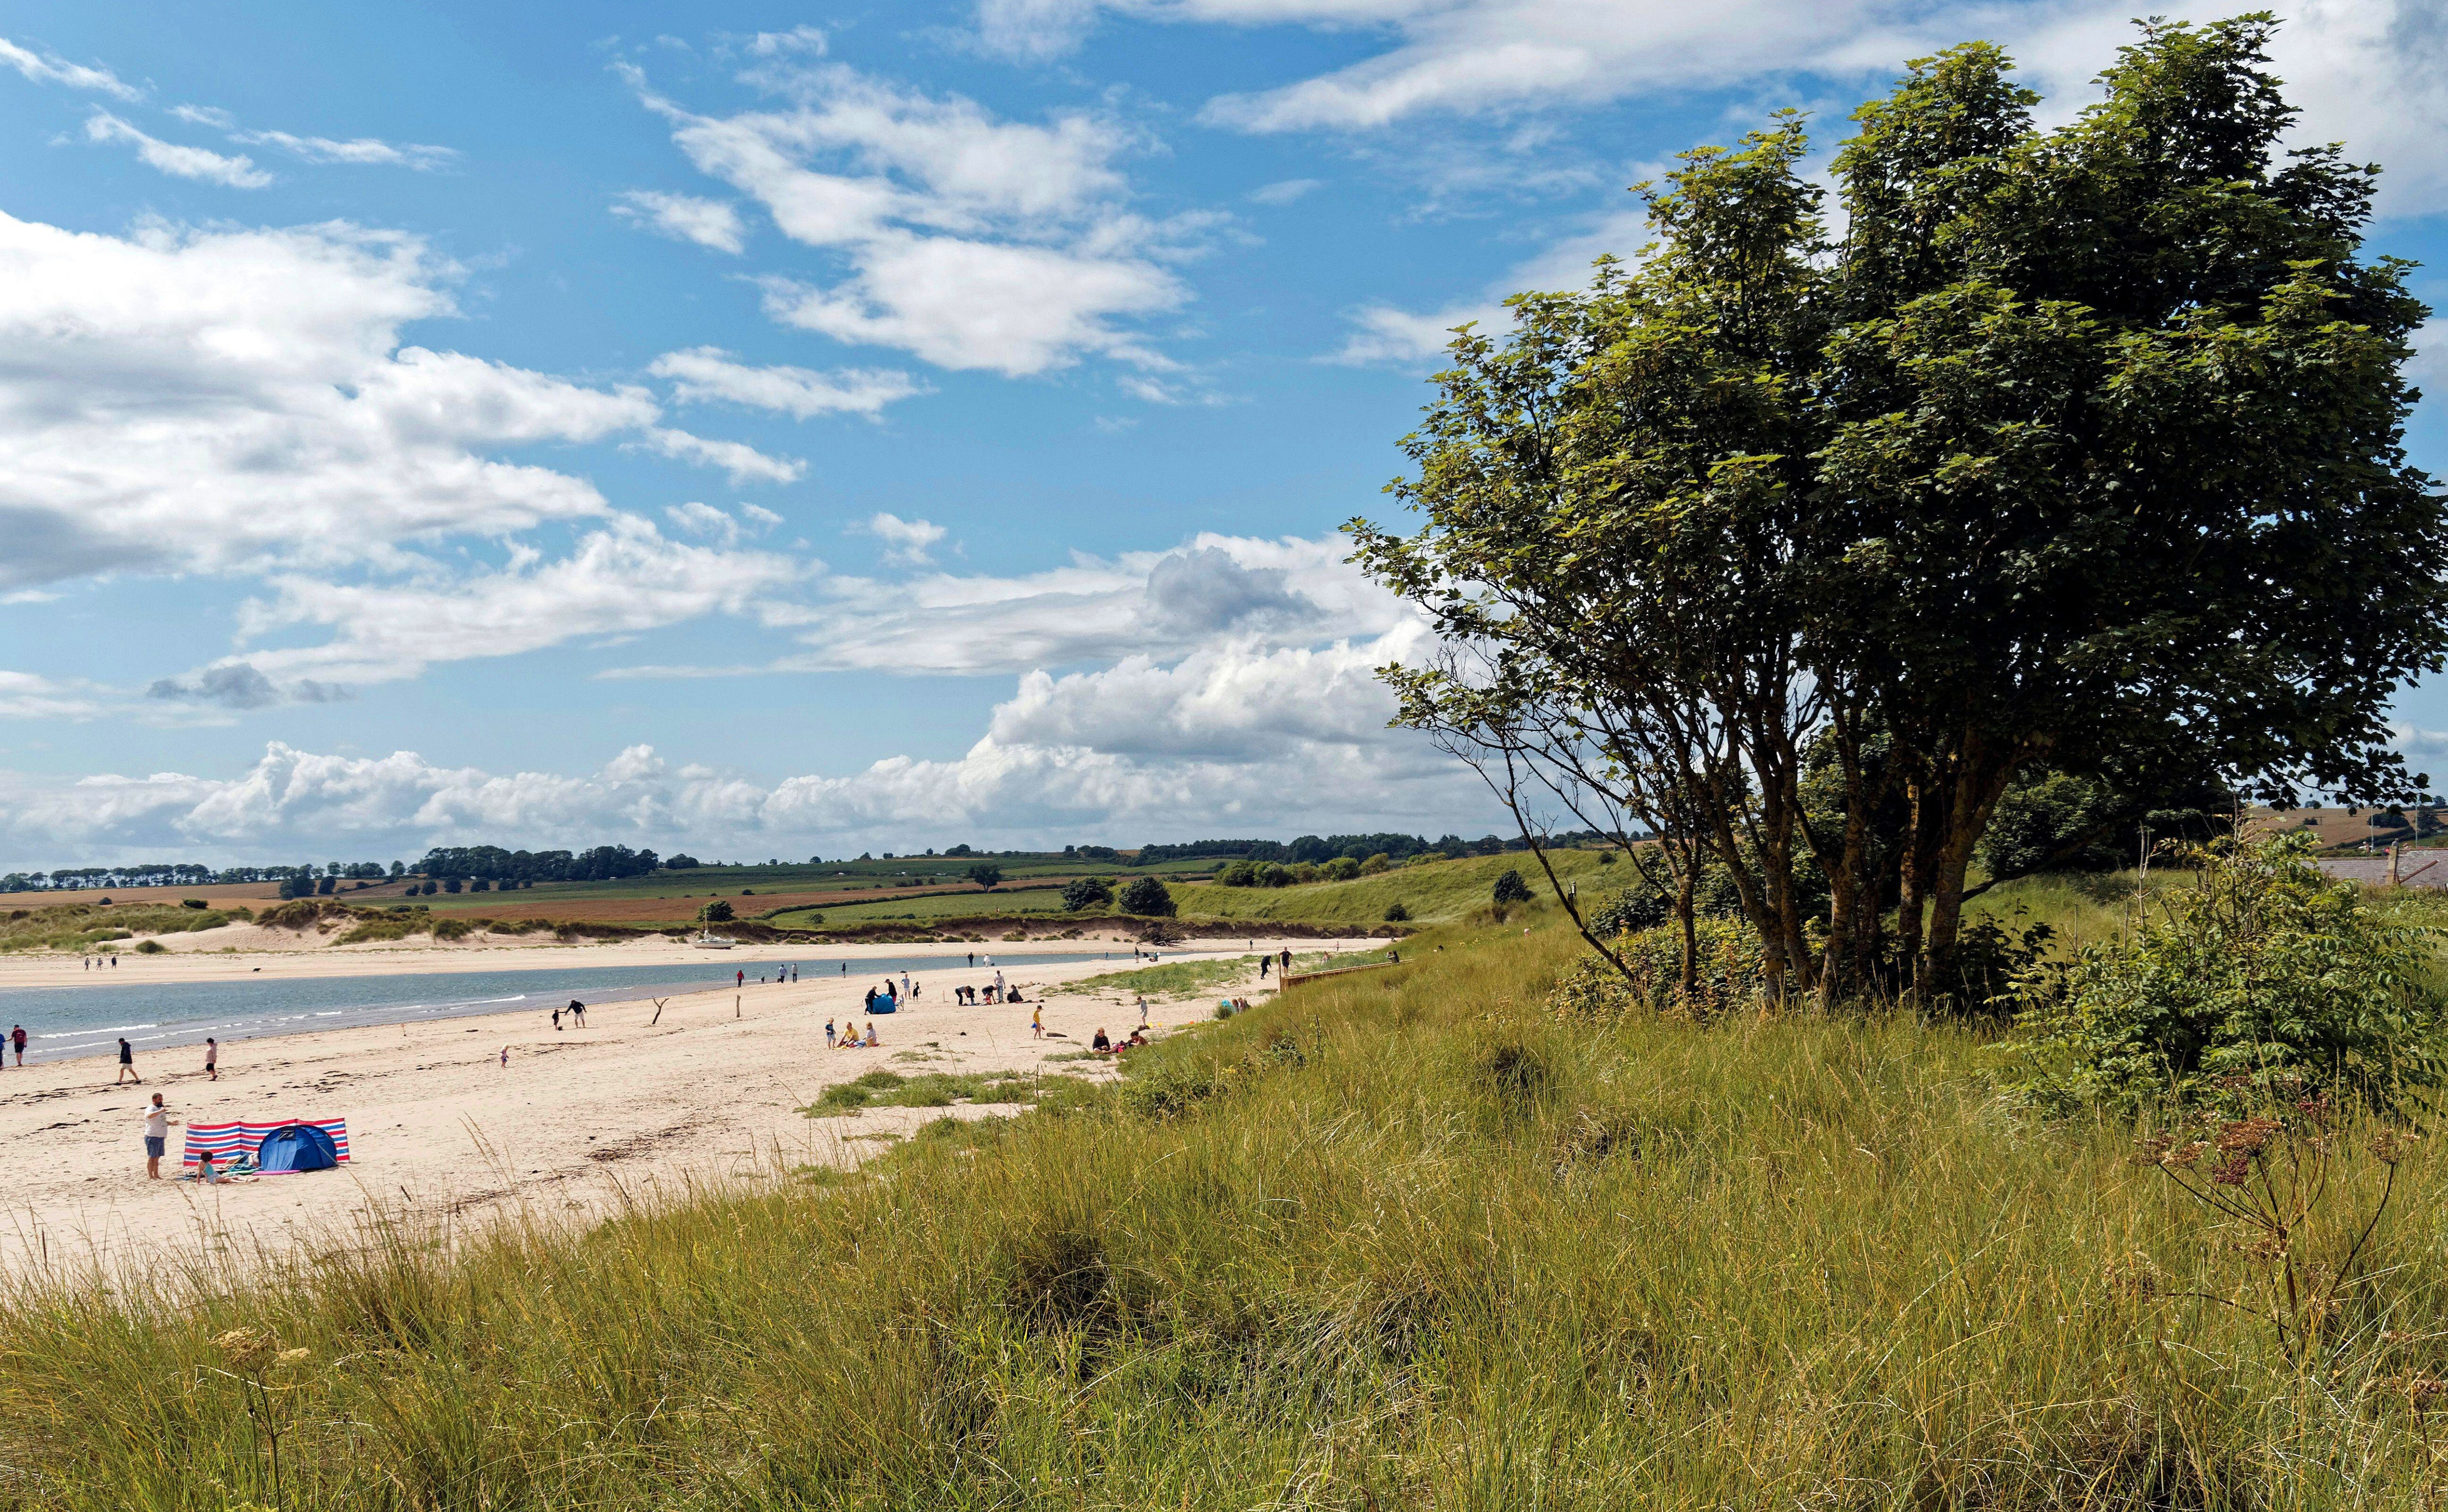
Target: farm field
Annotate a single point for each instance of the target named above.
(927, 908)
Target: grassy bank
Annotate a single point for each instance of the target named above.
(1441, 889)
(1402, 1239)
(83, 925)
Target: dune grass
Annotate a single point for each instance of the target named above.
(1400, 1239)
(1438, 890)
(929, 1089)
(81, 926)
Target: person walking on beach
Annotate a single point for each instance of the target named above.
(157, 1135)
(505, 1058)
(906, 993)
(742, 975)
(18, 1041)
(126, 1064)
(577, 1010)
(1037, 1022)
(556, 1020)
(974, 957)
(212, 1059)
(1288, 958)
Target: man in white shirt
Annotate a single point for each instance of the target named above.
(157, 1136)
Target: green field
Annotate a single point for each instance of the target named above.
(1440, 890)
(945, 906)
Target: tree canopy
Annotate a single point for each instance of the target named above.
(2076, 449)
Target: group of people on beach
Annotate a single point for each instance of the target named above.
(849, 1039)
(95, 962)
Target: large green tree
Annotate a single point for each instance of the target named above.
(2076, 447)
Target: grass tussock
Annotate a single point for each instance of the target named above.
(1407, 1239)
(932, 1089)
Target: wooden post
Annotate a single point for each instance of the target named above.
(2393, 847)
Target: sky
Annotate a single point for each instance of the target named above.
(774, 433)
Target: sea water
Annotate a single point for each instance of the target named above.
(90, 1019)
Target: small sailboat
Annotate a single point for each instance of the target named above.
(705, 941)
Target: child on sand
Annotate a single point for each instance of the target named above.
(212, 1059)
(1037, 1022)
(829, 1034)
(871, 1041)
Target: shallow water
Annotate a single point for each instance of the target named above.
(61, 1023)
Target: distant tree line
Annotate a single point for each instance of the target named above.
(189, 875)
(490, 863)
(1318, 850)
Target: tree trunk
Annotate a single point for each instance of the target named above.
(1981, 773)
(1690, 980)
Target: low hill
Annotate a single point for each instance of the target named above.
(1438, 889)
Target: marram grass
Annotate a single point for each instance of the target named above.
(1402, 1239)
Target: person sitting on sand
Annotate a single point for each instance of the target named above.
(1101, 1045)
(871, 1041)
(1138, 1037)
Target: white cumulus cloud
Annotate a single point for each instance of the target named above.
(181, 400)
(973, 243)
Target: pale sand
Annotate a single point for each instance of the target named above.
(577, 1123)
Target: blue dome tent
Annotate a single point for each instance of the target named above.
(296, 1147)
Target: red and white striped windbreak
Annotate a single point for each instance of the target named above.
(227, 1142)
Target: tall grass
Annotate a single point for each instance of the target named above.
(1405, 1239)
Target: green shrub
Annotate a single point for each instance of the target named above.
(718, 912)
(1396, 913)
(1511, 889)
(1087, 892)
(1730, 973)
(1147, 897)
(2261, 975)
(149, 947)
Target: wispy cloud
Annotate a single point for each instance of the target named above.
(685, 218)
(362, 150)
(238, 172)
(49, 68)
(701, 375)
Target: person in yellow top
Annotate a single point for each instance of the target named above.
(1037, 1022)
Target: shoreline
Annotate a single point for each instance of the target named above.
(466, 1120)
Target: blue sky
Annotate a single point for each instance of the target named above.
(785, 431)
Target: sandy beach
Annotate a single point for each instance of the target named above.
(443, 1130)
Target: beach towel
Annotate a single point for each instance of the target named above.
(227, 1142)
